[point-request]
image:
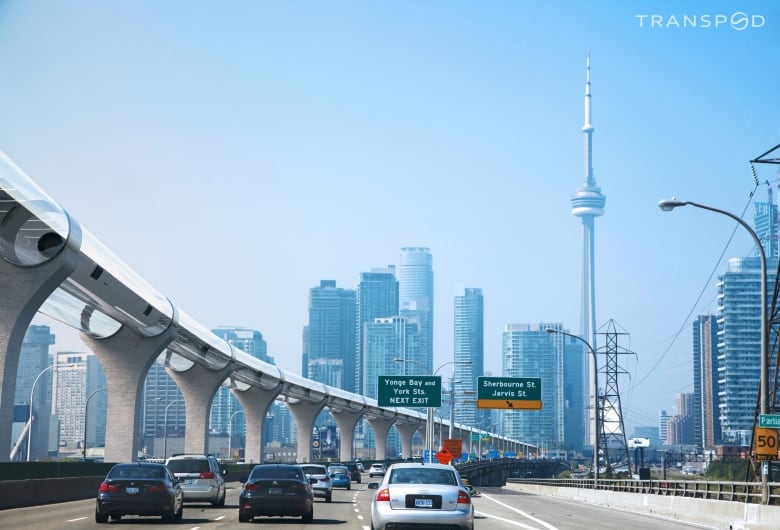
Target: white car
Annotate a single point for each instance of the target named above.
(423, 496)
(323, 487)
(377, 470)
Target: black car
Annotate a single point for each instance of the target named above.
(276, 490)
(354, 472)
(139, 489)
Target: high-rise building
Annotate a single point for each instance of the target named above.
(81, 396)
(163, 409)
(663, 426)
(680, 428)
(528, 351)
(739, 331)
(739, 346)
(225, 417)
(575, 363)
(705, 382)
(34, 380)
(387, 339)
(415, 297)
(469, 344)
(377, 297)
(588, 203)
(329, 346)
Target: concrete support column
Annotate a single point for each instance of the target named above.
(23, 290)
(406, 430)
(255, 402)
(346, 420)
(126, 358)
(198, 386)
(304, 413)
(380, 426)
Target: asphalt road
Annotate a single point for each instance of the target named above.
(496, 509)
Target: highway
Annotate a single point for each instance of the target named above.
(496, 509)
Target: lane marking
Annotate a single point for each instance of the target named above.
(219, 518)
(74, 520)
(526, 515)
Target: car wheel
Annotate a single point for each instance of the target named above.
(244, 518)
(308, 516)
(101, 517)
(169, 516)
(328, 497)
(222, 499)
(116, 517)
(349, 487)
(180, 513)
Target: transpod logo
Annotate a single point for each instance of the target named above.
(737, 21)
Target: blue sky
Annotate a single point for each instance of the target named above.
(236, 153)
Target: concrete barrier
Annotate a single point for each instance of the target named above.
(705, 512)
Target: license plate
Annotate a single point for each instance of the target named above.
(131, 490)
(423, 503)
(274, 491)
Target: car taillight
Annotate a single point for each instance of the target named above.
(207, 474)
(249, 486)
(463, 497)
(105, 487)
(325, 479)
(159, 488)
(384, 495)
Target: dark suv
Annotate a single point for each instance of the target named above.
(354, 471)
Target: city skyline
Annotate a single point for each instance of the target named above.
(455, 128)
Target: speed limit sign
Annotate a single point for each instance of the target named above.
(766, 443)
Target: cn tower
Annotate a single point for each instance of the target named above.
(588, 203)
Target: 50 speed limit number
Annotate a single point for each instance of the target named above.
(766, 443)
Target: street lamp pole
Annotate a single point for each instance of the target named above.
(165, 427)
(32, 396)
(594, 404)
(86, 410)
(668, 205)
(230, 432)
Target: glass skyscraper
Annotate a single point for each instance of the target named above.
(81, 395)
(329, 338)
(377, 297)
(528, 351)
(415, 296)
(469, 344)
(34, 358)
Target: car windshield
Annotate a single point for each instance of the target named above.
(423, 476)
(274, 472)
(137, 472)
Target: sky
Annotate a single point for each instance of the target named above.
(235, 153)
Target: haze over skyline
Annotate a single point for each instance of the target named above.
(234, 154)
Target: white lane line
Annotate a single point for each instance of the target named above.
(74, 520)
(509, 521)
(527, 516)
(219, 518)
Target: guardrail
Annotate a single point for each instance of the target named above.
(745, 492)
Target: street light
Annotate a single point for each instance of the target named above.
(165, 427)
(668, 205)
(32, 395)
(429, 420)
(86, 408)
(230, 432)
(594, 404)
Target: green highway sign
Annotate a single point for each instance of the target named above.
(409, 391)
(509, 393)
(769, 420)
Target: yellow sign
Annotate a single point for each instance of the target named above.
(766, 443)
(519, 404)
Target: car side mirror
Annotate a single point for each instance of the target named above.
(373, 485)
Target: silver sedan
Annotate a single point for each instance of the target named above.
(428, 495)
